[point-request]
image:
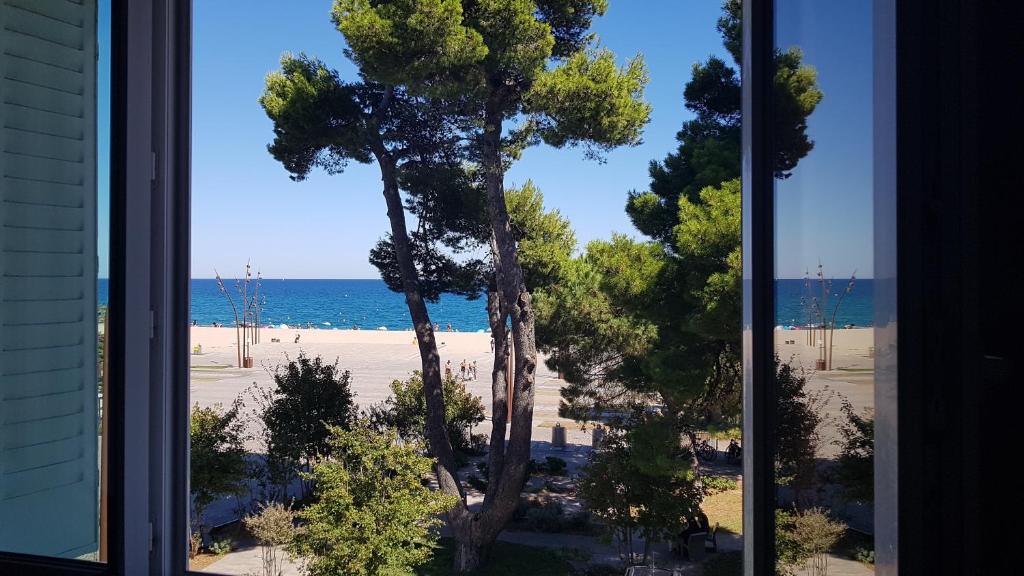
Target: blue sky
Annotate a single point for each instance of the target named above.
(244, 206)
(824, 211)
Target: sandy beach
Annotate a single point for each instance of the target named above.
(374, 357)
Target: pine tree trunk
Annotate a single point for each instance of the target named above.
(499, 394)
(430, 360)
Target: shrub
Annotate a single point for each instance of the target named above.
(309, 398)
(816, 534)
(555, 466)
(716, 484)
(273, 527)
(406, 411)
(855, 464)
(547, 517)
(372, 515)
(805, 538)
(218, 465)
(221, 547)
(477, 482)
(864, 554)
(797, 429)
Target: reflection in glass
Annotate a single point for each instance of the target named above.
(824, 258)
(52, 308)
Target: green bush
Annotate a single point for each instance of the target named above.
(546, 517)
(406, 411)
(221, 547)
(372, 515)
(555, 466)
(218, 458)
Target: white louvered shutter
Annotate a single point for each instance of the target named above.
(48, 376)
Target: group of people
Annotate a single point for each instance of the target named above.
(467, 370)
(448, 327)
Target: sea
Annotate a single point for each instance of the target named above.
(370, 305)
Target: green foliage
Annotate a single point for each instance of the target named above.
(221, 547)
(545, 239)
(797, 423)
(373, 515)
(584, 324)
(635, 492)
(318, 120)
(855, 465)
(588, 100)
(555, 466)
(425, 42)
(804, 538)
(218, 457)
(309, 397)
(406, 411)
(273, 528)
(716, 484)
(508, 58)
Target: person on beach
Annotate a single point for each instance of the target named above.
(462, 369)
(437, 327)
(492, 343)
(448, 369)
(474, 369)
(449, 326)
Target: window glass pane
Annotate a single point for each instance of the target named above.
(825, 284)
(358, 199)
(54, 134)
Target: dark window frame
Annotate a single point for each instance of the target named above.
(759, 391)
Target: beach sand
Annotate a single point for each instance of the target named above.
(852, 376)
(374, 357)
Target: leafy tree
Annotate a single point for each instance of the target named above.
(855, 470)
(218, 457)
(672, 333)
(406, 411)
(373, 514)
(640, 484)
(797, 423)
(321, 121)
(308, 398)
(503, 60)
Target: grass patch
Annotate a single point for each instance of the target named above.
(724, 564)
(506, 560)
(725, 508)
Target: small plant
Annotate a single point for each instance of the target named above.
(273, 527)
(555, 466)
(805, 537)
(864, 554)
(221, 547)
(716, 484)
(547, 517)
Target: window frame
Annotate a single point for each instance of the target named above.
(114, 354)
